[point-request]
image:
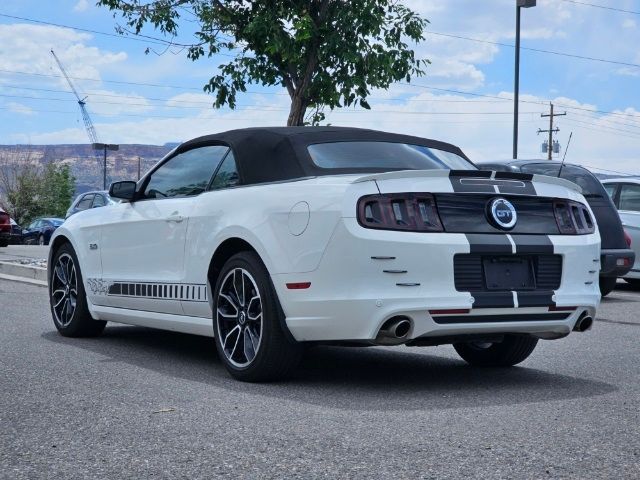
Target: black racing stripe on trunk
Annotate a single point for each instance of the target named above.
(489, 243)
(533, 244)
(470, 173)
(519, 187)
(537, 298)
(459, 186)
(514, 176)
(493, 300)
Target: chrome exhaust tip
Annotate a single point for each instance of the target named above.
(584, 323)
(394, 331)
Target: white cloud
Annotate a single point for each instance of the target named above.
(81, 6)
(629, 23)
(19, 108)
(26, 48)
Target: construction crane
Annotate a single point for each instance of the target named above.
(88, 124)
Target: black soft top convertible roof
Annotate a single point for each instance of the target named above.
(268, 154)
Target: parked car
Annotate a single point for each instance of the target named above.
(616, 258)
(5, 229)
(16, 233)
(625, 194)
(268, 238)
(89, 200)
(40, 230)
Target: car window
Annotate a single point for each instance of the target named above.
(186, 174)
(610, 188)
(99, 201)
(85, 202)
(227, 174)
(385, 155)
(630, 198)
(33, 225)
(56, 222)
(591, 186)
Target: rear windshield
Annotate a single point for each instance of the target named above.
(385, 155)
(591, 186)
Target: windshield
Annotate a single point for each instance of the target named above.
(385, 155)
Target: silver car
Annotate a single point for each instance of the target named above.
(625, 193)
(89, 200)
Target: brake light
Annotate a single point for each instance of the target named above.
(573, 218)
(627, 238)
(413, 212)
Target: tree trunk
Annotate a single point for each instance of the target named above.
(296, 114)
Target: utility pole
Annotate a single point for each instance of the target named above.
(551, 130)
(138, 167)
(105, 147)
(516, 78)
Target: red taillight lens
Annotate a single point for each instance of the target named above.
(573, 218)
(4, 218)
(627, 238)
(414, 212)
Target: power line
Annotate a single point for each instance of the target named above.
(538, 50)
(601, 6)
(149, 39)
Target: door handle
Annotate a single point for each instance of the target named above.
(174, 217)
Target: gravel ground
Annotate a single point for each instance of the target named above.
(141, 403)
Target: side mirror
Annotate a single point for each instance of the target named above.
(124, 190)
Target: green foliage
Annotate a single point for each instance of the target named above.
(29, 190)
(326, 53)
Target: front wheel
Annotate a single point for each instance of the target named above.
(68, 299)
(512, 350)
(247, 322)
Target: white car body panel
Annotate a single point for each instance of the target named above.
(307, 231)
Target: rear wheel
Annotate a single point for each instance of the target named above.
(511, 351)
(4, 243)
(41, 240)
(607, 284)
(247, 323)
(68, 298)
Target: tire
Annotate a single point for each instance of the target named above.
(41, 240)
(634, 282)
(607, 284)
(4, 243)
(248, 323)
(511, 351)
(70, 320)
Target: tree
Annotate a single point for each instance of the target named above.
(29, 190)
(326, 53)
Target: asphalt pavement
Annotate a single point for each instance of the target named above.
(14, 253)
(142, 403)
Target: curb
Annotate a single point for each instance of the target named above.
(11, 269)
(30, 281)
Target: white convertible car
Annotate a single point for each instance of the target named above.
(272, 238)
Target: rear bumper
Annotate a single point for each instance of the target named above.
(9, 237)
(616, 262)
(367, 277)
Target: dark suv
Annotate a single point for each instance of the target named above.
(616, 258)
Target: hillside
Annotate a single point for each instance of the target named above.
(86, 163)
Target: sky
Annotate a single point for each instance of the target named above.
(465, 98)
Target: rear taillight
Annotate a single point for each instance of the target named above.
(573, 218)
(627, 238)
(413, 212)
(4, 218)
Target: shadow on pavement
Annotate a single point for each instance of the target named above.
(346, 378)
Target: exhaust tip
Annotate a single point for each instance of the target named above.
(394, 331)
(584, 323)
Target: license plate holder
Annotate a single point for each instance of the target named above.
(509, 273)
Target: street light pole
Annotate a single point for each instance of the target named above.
(105, 147)
(516, 87)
